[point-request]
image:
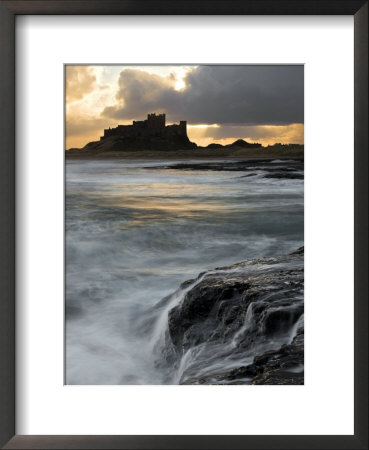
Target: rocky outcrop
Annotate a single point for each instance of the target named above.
(290, 169)
(241, 324)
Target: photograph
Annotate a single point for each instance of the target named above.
(184, 224)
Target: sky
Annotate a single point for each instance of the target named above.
(258, 103)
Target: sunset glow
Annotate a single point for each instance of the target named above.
(99, 97)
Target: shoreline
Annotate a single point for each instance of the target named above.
(236, 155)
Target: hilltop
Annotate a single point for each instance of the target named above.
(152, 138)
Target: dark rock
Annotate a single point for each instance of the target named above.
(205, 298)
(287, 169)
(290, 176)
(248, 311)
(249, 175)
(284, 366)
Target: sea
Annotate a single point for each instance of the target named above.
(136, 230)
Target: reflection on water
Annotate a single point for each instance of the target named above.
(134, 233)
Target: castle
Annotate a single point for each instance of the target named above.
(153, 126)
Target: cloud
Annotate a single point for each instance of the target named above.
(257, 103)
(80, 80)
(248, 95)
(141, 92)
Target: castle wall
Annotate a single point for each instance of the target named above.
(120, 130)
(176, 130)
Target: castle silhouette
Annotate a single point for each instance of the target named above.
(153, 126)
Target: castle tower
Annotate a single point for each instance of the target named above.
(183, 127)
(156, 121)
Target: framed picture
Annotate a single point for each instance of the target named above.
(172, 174)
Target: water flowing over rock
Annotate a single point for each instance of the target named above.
(241, 324)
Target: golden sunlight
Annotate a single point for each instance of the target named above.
(90, 90)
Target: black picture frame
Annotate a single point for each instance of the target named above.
(8, 11)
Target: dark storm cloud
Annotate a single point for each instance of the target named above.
(251, 95)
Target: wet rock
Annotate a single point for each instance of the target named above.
(286, 175)
(284, 366)
(289, 166)
(250, 311)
